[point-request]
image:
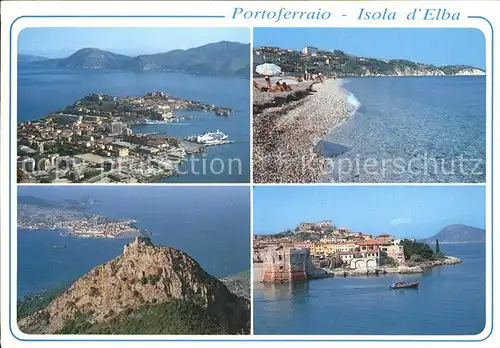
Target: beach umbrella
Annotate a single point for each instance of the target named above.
(268, 69)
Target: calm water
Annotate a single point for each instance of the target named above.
(212, 224)
(450, 301)
(41, 91)
(420, 127)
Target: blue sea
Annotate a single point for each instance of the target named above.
(449, 301)
(212, 224)
(413, 129)
(41, 91)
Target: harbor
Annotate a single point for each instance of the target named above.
(106, 139)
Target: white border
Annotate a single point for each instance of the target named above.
(12, 10)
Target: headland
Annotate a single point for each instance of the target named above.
(92, 140)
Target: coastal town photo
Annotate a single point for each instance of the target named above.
(133, 105)
(132, 260)
(369, 105)
(369, 260)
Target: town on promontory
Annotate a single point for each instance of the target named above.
(320, 250)
(92, 141)
(99, 116)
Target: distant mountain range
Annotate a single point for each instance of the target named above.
(66, 204)
(458, 234)
(28, 58)
(221, 58)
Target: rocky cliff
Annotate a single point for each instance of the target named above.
(144, 275)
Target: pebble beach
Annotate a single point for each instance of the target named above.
(288, 125)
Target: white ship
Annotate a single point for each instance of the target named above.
(207, 138)
(147, 121)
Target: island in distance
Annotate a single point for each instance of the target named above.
(131, 260)
(459, 234)
(72, 218)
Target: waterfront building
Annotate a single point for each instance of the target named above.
(396, 252)
(285, 264)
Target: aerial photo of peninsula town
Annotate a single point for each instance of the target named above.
(131, 260)
(104, 109)
(380, 252)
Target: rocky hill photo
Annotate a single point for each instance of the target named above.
(147, 290)
(220, 58)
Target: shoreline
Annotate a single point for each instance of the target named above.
(285, 136)
(403, 269)
(322, 273)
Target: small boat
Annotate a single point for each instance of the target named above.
(403, 285)
(59, 246)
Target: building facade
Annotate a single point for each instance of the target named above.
(285, 264)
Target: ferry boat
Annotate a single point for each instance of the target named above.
(208, 138)
(403, 285)
(147, 121)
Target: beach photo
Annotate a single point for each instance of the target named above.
(133, 105)
(361, 260)
(133, 260)
(369, 105)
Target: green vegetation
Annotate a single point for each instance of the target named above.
(385, 260)
(419, 252)
(412, 248)
(173, 318)
(31, 304)
(343, 64)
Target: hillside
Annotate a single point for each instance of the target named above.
(221, 58)
(146, 290)
(458, 234)
(342, 64)
(28, 58)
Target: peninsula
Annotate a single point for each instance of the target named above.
(320, 249)
(72, 220)
(342, 64)
(92, 141)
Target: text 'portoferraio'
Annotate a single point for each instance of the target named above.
(284, 14)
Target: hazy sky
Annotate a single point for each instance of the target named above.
(62, 42)
(433, 46)
(404, 211)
